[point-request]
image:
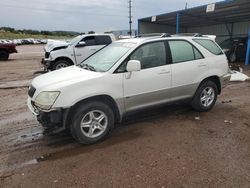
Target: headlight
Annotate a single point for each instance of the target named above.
(46, 99)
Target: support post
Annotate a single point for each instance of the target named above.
(232, 30)
(139, 28)
(177, 23)
(248, 50)
(130, 17)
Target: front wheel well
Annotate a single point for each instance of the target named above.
(3, 49)
(214, 79)
(65, 59)
(100, 98)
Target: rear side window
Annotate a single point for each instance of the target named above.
(197, 54)
(183, 51)
(103, 40)
(209, 45)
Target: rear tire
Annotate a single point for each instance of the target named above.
(4, 55)
(92, 122)
(60, 64)
(205, 96)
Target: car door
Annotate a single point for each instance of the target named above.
(93, 44)
(82, 52)
(150, 85)
(187, 66)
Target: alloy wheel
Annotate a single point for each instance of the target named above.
(207, 96)
(94, 123)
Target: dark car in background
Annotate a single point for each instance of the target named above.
(235, 48)
(6, 49)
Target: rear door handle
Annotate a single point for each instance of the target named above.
(202, 65)
(164, 71)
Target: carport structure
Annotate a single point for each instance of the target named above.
(224, 19)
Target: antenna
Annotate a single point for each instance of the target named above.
(130, 17)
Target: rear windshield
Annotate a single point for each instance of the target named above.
(209, 45)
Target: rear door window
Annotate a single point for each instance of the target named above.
(183, 51)
(209, 45)
(103, 40)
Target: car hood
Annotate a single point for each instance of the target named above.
(52, 44)
(63, 76)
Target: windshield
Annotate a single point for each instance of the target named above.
(74, 40)
(104, 59)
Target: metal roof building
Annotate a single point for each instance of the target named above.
(224, 19)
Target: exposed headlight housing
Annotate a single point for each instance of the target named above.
(46, 99)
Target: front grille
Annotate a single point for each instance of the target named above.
(47, 54)
(31, 91)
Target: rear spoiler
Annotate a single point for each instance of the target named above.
(213, 37)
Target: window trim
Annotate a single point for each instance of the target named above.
(193, 47)
(168, 57)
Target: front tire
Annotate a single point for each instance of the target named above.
(4, 55)
(60, 64)
(205, 97)
(92, 122)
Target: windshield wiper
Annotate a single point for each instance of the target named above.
(88, 67)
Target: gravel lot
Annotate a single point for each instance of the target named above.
(167, 147)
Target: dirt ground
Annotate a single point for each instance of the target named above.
(168, 147)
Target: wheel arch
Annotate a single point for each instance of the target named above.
(7, 54)
(64, 58)
(100, 98)
(214, 79)
(4, 49)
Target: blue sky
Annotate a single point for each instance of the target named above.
(84, 15)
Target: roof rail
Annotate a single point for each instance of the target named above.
(190, 34)
(154, 35)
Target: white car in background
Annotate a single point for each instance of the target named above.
(17, 41)
(60, 54)
(127, 76)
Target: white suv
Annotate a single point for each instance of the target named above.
(127, 76)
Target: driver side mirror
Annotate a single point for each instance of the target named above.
(81, 44)
(133, 65)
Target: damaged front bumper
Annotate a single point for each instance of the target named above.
(46, 64)
(49, 119)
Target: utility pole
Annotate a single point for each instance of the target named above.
(130, 17)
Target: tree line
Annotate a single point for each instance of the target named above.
(42, 32)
